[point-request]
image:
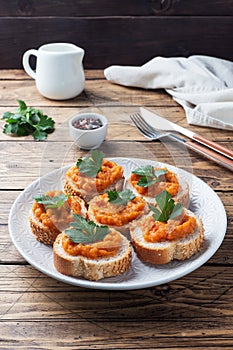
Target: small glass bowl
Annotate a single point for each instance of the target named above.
(88, 139)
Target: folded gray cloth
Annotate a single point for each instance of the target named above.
(202, 85)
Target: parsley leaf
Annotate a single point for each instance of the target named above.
(28, 121)
(168, 208)
(52, 202)
(122, 197)
(91, 165)
(149, 175)
(146, 170)
(83, 231)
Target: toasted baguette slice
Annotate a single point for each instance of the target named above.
(182, 196)
(71, 188)
(124, 229)
(164, 252)
(110, 177)
(43, 233)
(91, 269)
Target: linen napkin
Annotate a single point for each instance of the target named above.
(202, 85)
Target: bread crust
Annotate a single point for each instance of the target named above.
(164, 252)
(42, 233)
(91, 269)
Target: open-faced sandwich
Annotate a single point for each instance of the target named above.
(52, 212)
(148, 181)
(93, 175)
(96, 221)
(91, 251)
(117, 209)
(168, 232)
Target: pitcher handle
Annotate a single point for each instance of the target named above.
(26, 64)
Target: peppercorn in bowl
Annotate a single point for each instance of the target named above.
(88, 130)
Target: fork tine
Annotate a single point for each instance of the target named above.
(144, 127)
(138, 125)
(148, 127)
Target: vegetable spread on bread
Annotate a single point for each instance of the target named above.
(148, 181)
(117, 209)
(90, 240)
(169, 222)
(90, 250)
(169, 232)
(94, 224)
(93, 175)
(52, 212)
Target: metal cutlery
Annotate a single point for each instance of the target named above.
(153, 134)
(163, 125)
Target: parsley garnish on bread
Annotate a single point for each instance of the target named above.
(83, 231)
(52, 202)
(168, 208)
(122, 197)
(93, 257)
(149, 175)
(91, 165)
(157, 239)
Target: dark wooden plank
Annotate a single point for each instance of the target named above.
(201, 287)
(73, 8)
(17, 171)
(41, 313)
(118, 116)
(135, 341)
(126, 41)
(96, 93)
(20, 74)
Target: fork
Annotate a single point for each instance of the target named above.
(148, 131)
(153, 134)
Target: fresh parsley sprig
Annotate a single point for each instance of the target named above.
(149, 175)
(92, 164)
(122, 197)
(52, 202)
(168, 208)
(83, 231)
(28, 121)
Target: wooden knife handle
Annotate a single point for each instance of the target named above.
(210, 154)
(215, 146)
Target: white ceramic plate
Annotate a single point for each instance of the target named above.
(204, 202)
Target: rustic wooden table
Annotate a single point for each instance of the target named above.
(38, 312)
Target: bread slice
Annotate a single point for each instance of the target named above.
(91, 269)
(71, 188)
(124, 229)
(182, 196)
(109, 177)
(45, 234)
(42, 233)
(164, 252)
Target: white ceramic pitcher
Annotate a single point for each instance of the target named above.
(59, 73)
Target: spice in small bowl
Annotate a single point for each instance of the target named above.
(88, 130)
(87, 123)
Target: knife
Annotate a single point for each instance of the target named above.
(154, 134)
(165, 125)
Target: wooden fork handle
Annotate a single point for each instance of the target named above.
(210, 154)
(215, 146)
